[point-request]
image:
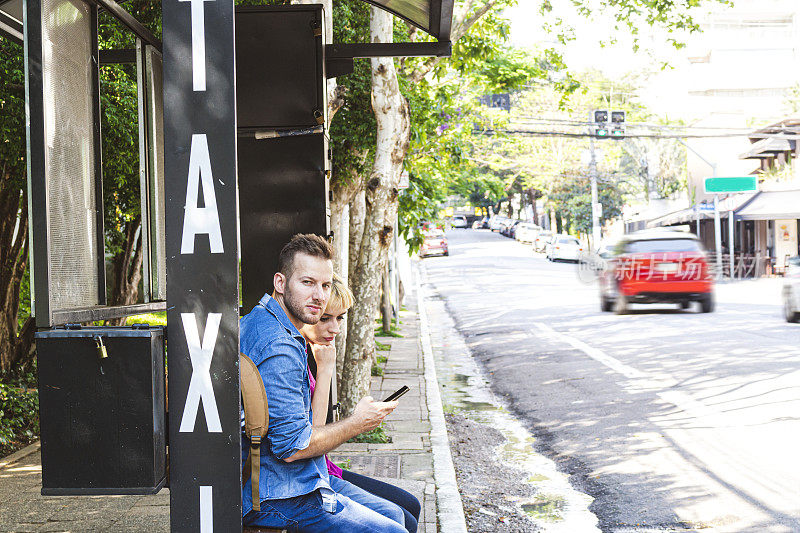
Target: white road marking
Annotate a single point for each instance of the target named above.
(595, 353)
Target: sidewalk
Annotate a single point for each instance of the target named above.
(408, 461)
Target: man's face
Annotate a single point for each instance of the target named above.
(306, 291)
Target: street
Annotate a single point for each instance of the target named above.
(669, 419)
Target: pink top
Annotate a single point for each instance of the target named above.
(333, 470)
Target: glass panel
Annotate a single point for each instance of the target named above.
(155, 127)
(417, 11)
(70, 153)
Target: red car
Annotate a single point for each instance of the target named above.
(656, 266)
(434, 242)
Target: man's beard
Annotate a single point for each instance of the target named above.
(298, 310)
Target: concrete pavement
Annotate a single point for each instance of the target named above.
(413, 461)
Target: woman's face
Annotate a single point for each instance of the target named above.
(324, 331)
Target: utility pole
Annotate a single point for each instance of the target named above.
(717, 234)
(595, 201)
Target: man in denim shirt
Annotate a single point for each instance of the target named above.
(294, 484)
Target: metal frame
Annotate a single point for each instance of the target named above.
(46, 316)
(90, 314)
(339, 57)
(144, 166)
(102, 297)
(364, 50)
(115, 10)
(10, 28)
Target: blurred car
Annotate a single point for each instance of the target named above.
(540, 243)
(656, 266)
(526, 232)
(434, 242)
(564, 248)
(496, 222)
(791, 290)
(509, 228)
(459, 221)
(482, 223)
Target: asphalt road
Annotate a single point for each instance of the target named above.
(670, 419)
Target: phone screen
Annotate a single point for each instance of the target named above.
(396, 394)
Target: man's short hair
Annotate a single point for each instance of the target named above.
(303, 243)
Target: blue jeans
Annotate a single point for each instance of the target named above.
(305, 514)
(407, 501)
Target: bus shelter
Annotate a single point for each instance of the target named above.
(233, 160)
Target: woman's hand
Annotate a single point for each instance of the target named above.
(325, 356)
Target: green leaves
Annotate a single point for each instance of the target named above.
(19, 417)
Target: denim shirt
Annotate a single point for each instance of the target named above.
(278, 349)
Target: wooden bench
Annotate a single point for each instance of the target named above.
(258, 529)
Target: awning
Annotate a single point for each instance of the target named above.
(689, 214)
(682, 216)
(766, 148)
(771, 205)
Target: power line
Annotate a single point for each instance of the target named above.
(648, 125)
(541, 133)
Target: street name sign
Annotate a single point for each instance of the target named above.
(730, 185)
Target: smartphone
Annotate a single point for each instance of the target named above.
(396, 394)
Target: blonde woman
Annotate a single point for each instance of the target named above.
(377, 495)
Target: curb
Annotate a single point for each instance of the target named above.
(450, 510)
(18, 455)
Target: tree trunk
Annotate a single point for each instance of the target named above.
(391, 114)
(16, 344)
(127, 268)
(386, 300)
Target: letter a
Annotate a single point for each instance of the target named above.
(200, 220)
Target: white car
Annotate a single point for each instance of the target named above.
(527, 232)
(459, 221)
(564, 248)
(791, 290)
(540, 243)
(497, 222)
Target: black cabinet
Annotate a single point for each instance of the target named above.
(103, 420)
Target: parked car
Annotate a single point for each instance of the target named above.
(656, 266)
(496, 222)
(459, 221)
(564, 248)
(509, 228)
(542, 239)
(433, 242)
(526, 232)
(791, 290)
(482, 223)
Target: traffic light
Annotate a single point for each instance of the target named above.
(618, 124)
(600, 117)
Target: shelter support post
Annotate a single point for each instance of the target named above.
(717, 236)
(732, 246)
(202, 265)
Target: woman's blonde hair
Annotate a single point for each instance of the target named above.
(341, 295)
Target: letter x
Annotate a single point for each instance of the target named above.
(200, 386)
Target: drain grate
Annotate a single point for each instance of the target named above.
(373, 465)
